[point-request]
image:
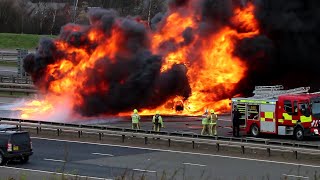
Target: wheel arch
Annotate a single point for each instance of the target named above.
(298, 125)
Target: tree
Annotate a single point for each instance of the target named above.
(152, 7)
(8, 15)
(42, 13)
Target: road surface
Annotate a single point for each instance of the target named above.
(172, 123)
(110, 161)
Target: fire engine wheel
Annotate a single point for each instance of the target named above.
(298, 133)
(254, 130)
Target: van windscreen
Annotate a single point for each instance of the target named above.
(20, 138)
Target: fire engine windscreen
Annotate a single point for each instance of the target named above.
(315, 108)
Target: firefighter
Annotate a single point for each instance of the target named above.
(135, 119)
(157, 122)
(205, 123)
(236, 121)
(213, 123)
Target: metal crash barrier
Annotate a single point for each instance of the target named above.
(192, 138)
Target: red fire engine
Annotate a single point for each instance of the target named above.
(273, 110)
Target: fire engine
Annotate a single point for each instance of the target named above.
(273, 110)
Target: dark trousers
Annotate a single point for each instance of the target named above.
(156, 127)
(236, 130)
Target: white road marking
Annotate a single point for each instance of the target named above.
(49, 172)
(183, 152)
(226, 127)
(228, 120)
(102, 154)
(143, 170)
(191, 164)
(290, 175)
(55, 160)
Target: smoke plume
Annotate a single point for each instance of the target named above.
(200, 51)
(132, 76)
(288, 50)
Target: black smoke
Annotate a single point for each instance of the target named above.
(133, 78)
(288, 50)
(285, 52)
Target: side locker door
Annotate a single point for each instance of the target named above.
(267, 118)
(242, 110)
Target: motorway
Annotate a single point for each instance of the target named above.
(192, 125)
(176, 123)
(110, 161)
(172, 124)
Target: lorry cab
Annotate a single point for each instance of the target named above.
(299, 114)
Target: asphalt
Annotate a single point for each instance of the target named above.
(193, 125)
(107, 161)
(172, 123)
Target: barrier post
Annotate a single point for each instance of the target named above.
(145, 140)
(242, 149)
(123, 137)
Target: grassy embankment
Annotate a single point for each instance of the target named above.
(25, 41)
(10, 41)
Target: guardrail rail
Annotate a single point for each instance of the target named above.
(244, 143)
(17, 84)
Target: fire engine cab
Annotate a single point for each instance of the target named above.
(272, 110)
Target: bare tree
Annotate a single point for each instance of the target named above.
(8, 13)
(81, 13)
(42, 13)
(53, 13)
(152, 7)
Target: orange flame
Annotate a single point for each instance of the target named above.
(219, 72)
(211, 79)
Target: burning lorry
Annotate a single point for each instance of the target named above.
(273, 110)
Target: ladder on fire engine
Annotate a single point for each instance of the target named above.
(267, 92)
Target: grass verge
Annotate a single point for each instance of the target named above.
(26, 41)
(8, 63)
(13, 94)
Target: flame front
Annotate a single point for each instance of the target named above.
(213, 70)
(217, 71)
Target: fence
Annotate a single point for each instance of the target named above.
(16, 80)
(15, 57)
(14, 84)
(8, 56)
(192, 138)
